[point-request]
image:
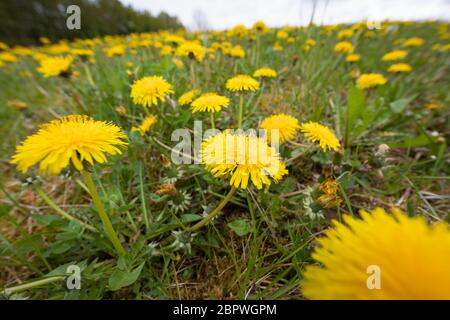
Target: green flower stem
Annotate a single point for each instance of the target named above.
(103, 216)
(213, 125)
(60, 211)
(213, 213)
(241, 110)
(33, 284)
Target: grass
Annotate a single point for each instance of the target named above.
(258, 247)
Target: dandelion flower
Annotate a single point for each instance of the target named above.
(346, 33)
(316, 132)
(413, 259)
(400, 67)
(265, 73)
(370, 80)
(76, 138)
(146, 124)
(187, 97)
(115, 51)
(210, 102)
(413, 42)
(237, 52)
(286, 125)
(395, 55)
(242, 158)
(149, 91)
(192, 50)
(241, 83)
(260, 26)
(354, 57)
(329, 197)
(57, 66)
(82, 53)
(344, 47)
(7, 57)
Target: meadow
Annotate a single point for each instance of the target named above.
(360, 177)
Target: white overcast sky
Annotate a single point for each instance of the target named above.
(222, 14)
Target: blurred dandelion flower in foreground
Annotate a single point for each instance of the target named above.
(400, 67)
(149, 91)
(55, 66)
(344, 47)
(146, 124)
(242, 82)
(286, 125)
(354, 57)
(243, 158)
(316, 132)
(370, 80)
(210, 102)
(413, 42)
(75, 138)
(395, 55)
(265, 73)
(413, 259)
(187, 97)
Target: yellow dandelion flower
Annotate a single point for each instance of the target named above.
(82, 53)
(265, 73)
(188, 97)
(166, 51)
(8, 57)
(370, 80)
(395, 55)
(57, 66)
(400, 67)
(354, 57)
(242, 82)
(149, 91)
(316, 132)
(310, 42)
(237, 52)
(192, 50)
(346, 33)
(242, 158)
(282, 34)
(286, 125)
(210, 102)
(146, 124)
(329, 197)
(237, 31)
(76, 138)
(344, 47)
(115, 51)
(260, 26)
(413, 42)
(381, 256)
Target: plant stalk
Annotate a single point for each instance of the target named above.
(103, 215)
